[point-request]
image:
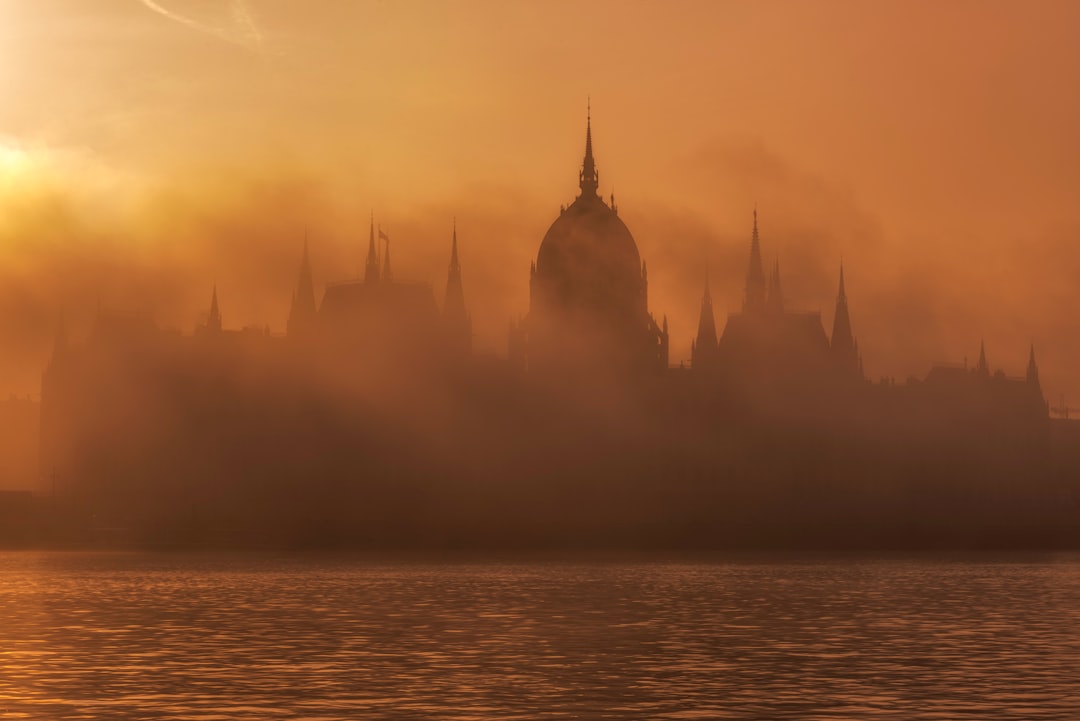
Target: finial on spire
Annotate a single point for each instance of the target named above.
(590, 179)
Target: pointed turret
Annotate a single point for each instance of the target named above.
(458, 324)
(754, 301)
(590, 178)
(371, 267)
(983, 369)
(703, 351)
(775, 300)
(213, 318)
(1032, 367)
(843, 347)
(302, 312)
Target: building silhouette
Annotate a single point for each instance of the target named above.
(770, 353)
(588, 290)
(371, 421)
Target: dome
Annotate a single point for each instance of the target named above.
(588, 262)
(590, 243)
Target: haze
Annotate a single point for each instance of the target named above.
(151, 149)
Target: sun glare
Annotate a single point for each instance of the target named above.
(14, 159)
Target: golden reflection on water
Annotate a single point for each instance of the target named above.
(120, 636)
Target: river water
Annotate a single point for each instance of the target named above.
(262, 636)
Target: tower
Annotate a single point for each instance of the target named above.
(704, 347)
(1032, 368)
(302, 311)
(213, 318)
(983, 369)
(842, 345)
(455, 318)
(371, 267)
(754, 300)
(589, 179)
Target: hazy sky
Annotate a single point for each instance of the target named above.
(150, 148)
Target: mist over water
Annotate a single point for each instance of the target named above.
(119, 636)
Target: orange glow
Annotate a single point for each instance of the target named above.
(178, 143)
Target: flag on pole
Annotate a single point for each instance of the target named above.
(382, 235)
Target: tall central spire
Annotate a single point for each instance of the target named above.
(590, 179)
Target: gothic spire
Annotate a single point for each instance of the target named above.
(213, 319)
(302, 311)
(703, 351)
(458, 325)
(590, 179)
(371, 268)
(982, 368)
(844, 350)
(754, 301)
(1032, 368)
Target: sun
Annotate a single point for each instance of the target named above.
(14, 159)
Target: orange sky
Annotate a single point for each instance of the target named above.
(149, 148)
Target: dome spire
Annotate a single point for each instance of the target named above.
(590, 179)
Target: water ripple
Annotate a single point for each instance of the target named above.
(121, 636)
